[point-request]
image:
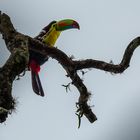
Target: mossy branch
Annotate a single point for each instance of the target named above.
(19, 44)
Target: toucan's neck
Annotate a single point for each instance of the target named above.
(51, 37)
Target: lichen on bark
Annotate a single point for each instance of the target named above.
(19, 44)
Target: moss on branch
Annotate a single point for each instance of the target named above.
(19, 44)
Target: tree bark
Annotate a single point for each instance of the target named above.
(19, 44)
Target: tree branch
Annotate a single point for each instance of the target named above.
(124, 64)
(69, 66)
(18, 44)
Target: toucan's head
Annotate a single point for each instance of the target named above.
(66, 24)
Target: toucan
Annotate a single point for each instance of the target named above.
(48, 36)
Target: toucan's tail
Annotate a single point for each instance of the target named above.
(36, 84)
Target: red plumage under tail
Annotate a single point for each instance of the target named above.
(36, 83)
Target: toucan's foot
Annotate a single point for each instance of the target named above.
(22, 74)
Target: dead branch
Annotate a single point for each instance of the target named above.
(18, 44)
(110, 67)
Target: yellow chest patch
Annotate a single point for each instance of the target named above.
(51, 37)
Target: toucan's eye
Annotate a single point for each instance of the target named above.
(53, 25)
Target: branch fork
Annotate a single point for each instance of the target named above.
(19, 44)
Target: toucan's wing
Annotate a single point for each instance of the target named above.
(36, 84)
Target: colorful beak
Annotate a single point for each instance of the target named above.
(66, 24)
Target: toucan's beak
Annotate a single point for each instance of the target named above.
(66, 24)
